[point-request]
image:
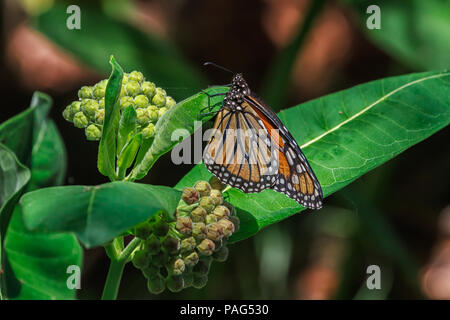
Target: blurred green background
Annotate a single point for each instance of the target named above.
(290, 51)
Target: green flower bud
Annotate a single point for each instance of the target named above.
(93, 132)
(156, 284)
(175, 283)
(160, 91)
(171, 245)
(228, 227)
(199, 230)
(160, 259)
(216, 184)
(85, 93)
(190, 195)
(184, 225)
(162, 111)
(221, 255)
(153, 114)
(159, 100)
(75, 107)
(221, 212)
(214, 231)
(141, 101)
(176, 266)
(199, 281)
(236, 222)
(149, 131)
(148, 88)
(99, 90)
(208, 204)
(125, 78)
(187, 245)
(188, 278)
(202, 267)
(100, 116)
(191, 259)
(80, 120)
(203, 188)
(89, 107)
(170, 102)
(151, 271)
(101, 104)
(140, 259)
(136, 76)
(216, 195)
(142, 117)
(206, 247)
(123, 92)
(67, 113)
(198, 214)
(210, 218)
(160, 228)
(132, 88)
(143, 230)
(152, 245)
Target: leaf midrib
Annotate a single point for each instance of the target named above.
(371, 106)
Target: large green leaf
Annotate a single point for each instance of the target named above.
(39, 261)
(34, 263)
(13, 178)
(182, 116)
(101, 35)
(347, 134)
(96, 214)
(416, 32)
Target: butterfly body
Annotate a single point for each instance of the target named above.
(252, 150)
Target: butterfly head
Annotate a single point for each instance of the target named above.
(239, 84)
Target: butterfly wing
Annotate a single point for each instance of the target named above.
(295, 176)
(239, 153)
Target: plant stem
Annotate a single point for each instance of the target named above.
(118, 261)
(113, 280)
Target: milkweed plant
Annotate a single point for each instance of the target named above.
(175, 235)
(173, 251)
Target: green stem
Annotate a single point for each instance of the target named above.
(113, 280)
(118, 261)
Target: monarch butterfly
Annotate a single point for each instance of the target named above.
(252, 150)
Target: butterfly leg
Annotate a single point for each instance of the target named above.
(209, 107)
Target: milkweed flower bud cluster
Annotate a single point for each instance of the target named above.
(178, 254)
(149, 101)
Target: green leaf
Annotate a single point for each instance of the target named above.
(347, 134)
(101, 35)
(107, 149)
(127, 125)
(129, 153)
(180, 118)
(415, 32)
(35, 264)
(96, 214)
(39, 261)
(48, 164)
(13, 178)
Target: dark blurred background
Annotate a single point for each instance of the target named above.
(396, 216)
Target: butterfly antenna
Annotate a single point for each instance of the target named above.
(217, 66)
